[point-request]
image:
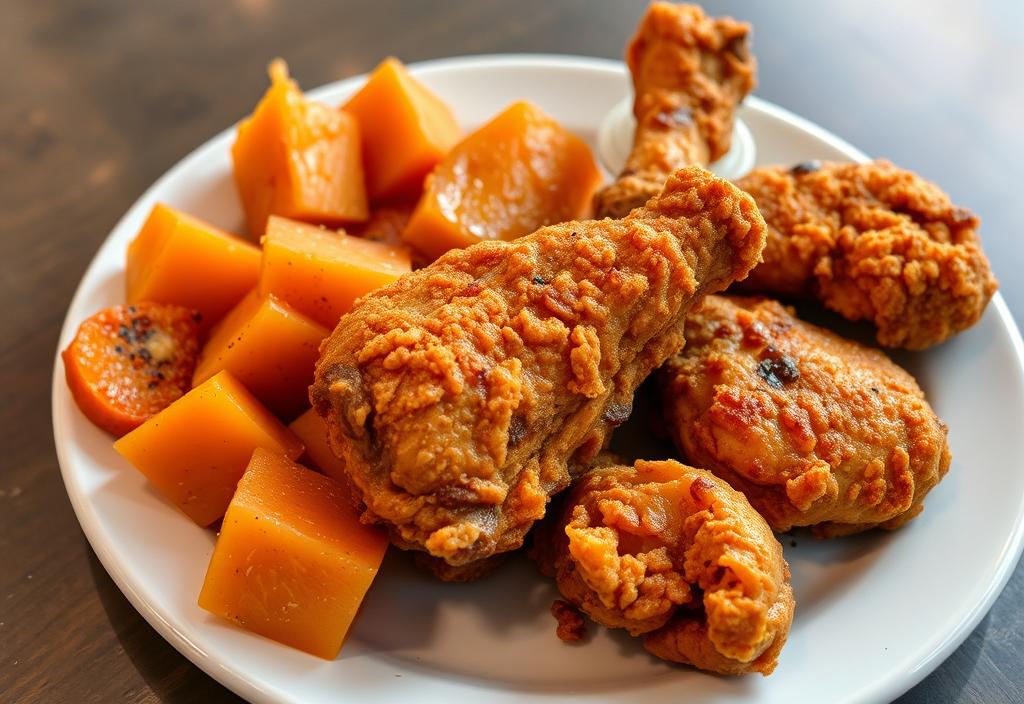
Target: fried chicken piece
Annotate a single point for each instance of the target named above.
(690, 71)
(461, 395)
(815, 429)
(674, 552)
(872, 242)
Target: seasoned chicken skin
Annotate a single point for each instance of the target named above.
(815, 429)
(673, 552)
(461, 396)
(873, 242)
(690, 71)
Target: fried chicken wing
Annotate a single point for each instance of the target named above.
(461, 396)
(815, 429)
(690, 71)
(673, 552)
(873, 242)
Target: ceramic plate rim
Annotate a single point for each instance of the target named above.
(927, 657)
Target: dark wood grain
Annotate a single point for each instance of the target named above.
(100, 98)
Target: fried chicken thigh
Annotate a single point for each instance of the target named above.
(815, 429)
(872, 242)
(675, 553)
(462, 396)
(690, 71)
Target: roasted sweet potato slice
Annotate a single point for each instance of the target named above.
(127, 363)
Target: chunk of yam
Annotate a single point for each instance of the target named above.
(195, 450)
(321, 273)
(180, 259)
(298, 158)
(406, 130)
(519, 172)
(269, 347)
(292, 562)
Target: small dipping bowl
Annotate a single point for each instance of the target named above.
(615, 140)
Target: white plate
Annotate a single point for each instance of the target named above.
(875, 613)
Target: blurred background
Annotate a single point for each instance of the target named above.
(100, 98)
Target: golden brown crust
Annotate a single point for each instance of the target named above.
(672, 551)
(461, 395)
(571, 626)
(873, 242)
(816, 430)
(686, 641)
(690, 71)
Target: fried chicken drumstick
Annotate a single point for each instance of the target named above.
(461, 396)
(873, 242)
(814, 429)
(690, 71)
(675, 553)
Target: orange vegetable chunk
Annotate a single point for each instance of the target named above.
(292, 562)
(179, 259)
(312, 431)
(517, 173)
(406, 130)
(269, 347)
(195, 450)
(321, 273)
(298, 158)
(128, 363)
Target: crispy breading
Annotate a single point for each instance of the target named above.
(571, 626)
(462, 395)
(663, 549)
(815, 429)
(873, 242)
(690, 71)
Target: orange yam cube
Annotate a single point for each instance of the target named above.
(519, 172)
(292, 562)
(406, 130)
(311, 429)
(298, 158)
(270, 348)
(195, 450)
(182, 260)
(321, 273)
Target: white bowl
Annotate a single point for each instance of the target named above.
(615, 140)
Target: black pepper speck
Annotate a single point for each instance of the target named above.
(806, 167)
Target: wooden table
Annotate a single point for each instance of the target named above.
(100, 98)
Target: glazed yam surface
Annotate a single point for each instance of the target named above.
(462, 396)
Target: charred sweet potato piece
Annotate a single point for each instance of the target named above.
(127, 363)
